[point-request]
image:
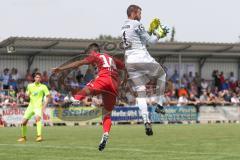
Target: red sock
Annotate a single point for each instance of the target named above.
(107, 123)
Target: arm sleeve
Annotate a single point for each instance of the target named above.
(119, 64)
(90, 59)
(140, 30)
(27, 90)
(46, 91)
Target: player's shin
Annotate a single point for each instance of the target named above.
(39, 128)
(107, 123)
(160, 89)
(142, 104)
(23, 130)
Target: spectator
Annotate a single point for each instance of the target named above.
(193, 88)
(232, 78)
(176, 85)
(193, 100)
(182, 91)
(227, 96)
(45, 78)
(2, 122)
(5, 78)
(97, 101)
(185, 80)
(21, 97)
(182, 100)
(12, 92)
(175, 76)
(89, 75)
(190, 77)
(204, 98)
(222, 80)
(131, 101)
(235, 99)
(204, 85)
(14, 78)
(79, 76)
(58, 99)
(53, 91)
(28, 78)
(216, 77)
(225, 85)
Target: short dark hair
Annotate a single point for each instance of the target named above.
(37, 74)
(94, 47)
(132, 8)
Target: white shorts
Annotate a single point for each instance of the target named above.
(142, 68)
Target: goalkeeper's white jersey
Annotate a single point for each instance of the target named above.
(135, 39)
(134, 35)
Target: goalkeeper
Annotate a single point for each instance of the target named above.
(141, 66)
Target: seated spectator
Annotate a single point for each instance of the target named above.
(193, 88)
(131, 100)
(225, 85)
(193, 99)
(220, 98)
(12, 92)
(97, 101)
(182, 100)
(53, 91)
(204, 99)
(58, 99)
(235, 99)
(227, 96)
(182, 91)
(22, 98)
(204, 85)
(87, 101)
(232, 78)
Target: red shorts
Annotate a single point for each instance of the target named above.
(107, 87)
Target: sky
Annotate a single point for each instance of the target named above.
(194, 20)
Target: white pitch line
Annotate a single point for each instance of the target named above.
(119, 149)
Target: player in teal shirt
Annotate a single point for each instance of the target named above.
(36, 91)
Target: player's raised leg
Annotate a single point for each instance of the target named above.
(140, 80)
(109, 100)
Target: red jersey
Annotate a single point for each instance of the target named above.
(107, 65)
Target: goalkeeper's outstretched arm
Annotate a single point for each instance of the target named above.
(155, 32)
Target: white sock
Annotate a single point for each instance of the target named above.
(142, 104)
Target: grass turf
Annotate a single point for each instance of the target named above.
(169, 142)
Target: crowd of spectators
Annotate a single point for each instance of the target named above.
(189, 89)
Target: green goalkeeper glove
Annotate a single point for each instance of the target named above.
(154, 25)
(161, 31)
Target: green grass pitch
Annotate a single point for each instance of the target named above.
(127, 142)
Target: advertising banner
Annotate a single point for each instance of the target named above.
(174, 114)
(221, 113)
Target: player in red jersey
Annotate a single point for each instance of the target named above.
(106, 83)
